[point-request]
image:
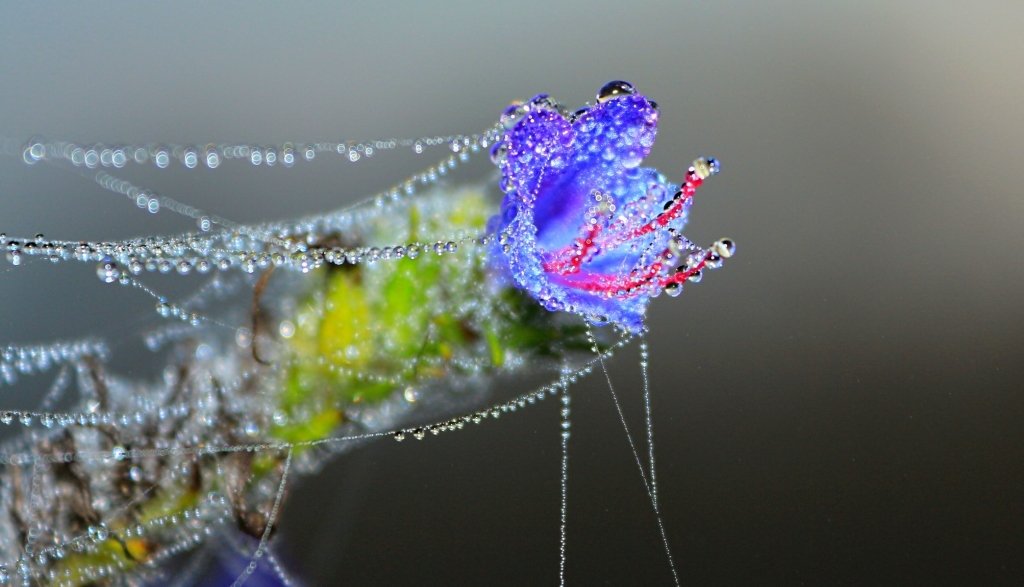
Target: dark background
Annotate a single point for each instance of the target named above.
(840, 405)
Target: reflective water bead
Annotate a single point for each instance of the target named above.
(212, 158)
(162, 158)
(108, 271)
(35, 150)
(98, 533)
(614, 89)
(190, 158)
(724, 247)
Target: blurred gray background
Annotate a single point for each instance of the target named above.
(841, 404)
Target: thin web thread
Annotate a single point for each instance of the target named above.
(258, 554)
(648, 417)
(636, 457)
(564, 485)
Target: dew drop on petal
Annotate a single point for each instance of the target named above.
(614, 89)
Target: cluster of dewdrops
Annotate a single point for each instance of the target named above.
(125, 440)
(131, 438)
(93, 156)
(220, 245)
(28, 360)
(567, 378)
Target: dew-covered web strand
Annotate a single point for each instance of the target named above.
(648, 416)
(529, 398)
(564, 487)
(271, 518)
(636, 455)
(198, 251)
(279, 570)
(94, 532)
(177, 310)
(85, 159)
(558, 387)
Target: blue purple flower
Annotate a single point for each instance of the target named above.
(583, 228)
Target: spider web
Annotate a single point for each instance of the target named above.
(110, 477)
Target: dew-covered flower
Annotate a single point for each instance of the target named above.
(583, 227)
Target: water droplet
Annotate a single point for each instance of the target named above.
(410, 394)
(714, 166)
(673, 289)
(162, 158)
(725, 248)
(35, 150)
(286, 329)
(108, 271)
(615, 89)
(190, 158)
(499, 152)
(98, 533)
(118, 453)
(212, 158)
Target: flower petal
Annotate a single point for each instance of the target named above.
(538, 142)
(616, 133)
